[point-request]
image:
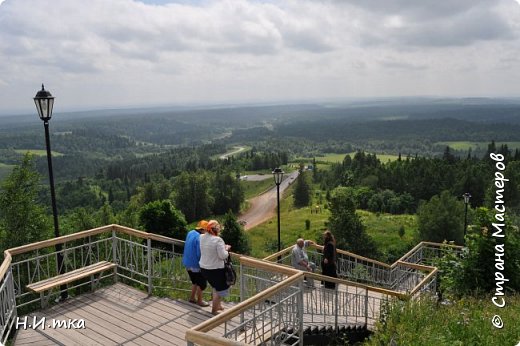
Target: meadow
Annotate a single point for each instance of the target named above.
(465, 145)
(383, 228)
(338, 158)
(463, 322)
(37, 152)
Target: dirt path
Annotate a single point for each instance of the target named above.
(263, 207)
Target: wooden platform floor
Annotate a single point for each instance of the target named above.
(117, 315)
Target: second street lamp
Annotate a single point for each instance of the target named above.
(278, 176)
(44, 105)
(466, 196)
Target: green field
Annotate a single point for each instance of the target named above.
(37, 152)
(337, 158)
(465, 146)
(461, 322)
(5, 170)
(382, 228)
(254, 188)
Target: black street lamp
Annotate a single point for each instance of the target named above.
(44, 104)
(466, 196)
(278, 176)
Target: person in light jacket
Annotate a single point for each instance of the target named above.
(213, 253)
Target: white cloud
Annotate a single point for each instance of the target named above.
(122, 52)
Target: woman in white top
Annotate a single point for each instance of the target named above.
(213, 253)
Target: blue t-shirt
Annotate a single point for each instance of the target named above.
(191, 255)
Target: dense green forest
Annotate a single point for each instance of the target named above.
(109, 164)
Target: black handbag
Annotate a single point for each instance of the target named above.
(231, 275)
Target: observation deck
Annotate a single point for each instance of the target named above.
(141, 300)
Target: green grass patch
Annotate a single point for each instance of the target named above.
(5, 170)
(338, 158)
(463, 322)
(255, 188)
(465, 145)
(264, 237)
(37, 152)
(384, 229)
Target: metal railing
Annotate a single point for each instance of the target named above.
(403, 275)
(8, 310)
(275, 304)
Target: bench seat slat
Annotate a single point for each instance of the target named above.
(65, 278)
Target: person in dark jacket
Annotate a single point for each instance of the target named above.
(328, 263)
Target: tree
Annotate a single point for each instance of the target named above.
(234, 235)
(302, 191)
(192, 195)
(441, 218)
(228, 193)
(347, 226)
(22, 217)
(162, 218)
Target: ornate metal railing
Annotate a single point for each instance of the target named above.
(275, 302)
(8, 311)
(403, 275)
(269, 314)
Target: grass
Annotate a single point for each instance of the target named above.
(37, 152)
(5, 170)
(382, 228)
(463, 322)
(465, 145)
(264, 237)
(255, 188)
(337, 158)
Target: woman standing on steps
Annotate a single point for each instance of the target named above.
(213, 253)
(328, 263)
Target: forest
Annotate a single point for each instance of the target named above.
(110, 164)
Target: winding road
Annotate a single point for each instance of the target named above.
(263, 207)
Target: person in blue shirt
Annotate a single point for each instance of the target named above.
(190, 260)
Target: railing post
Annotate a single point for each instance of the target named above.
(114, 253)
(150, 269)
(242, 293)
(300, 312)
(366, 307)
(336, 305)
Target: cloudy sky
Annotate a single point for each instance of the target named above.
(112, 53)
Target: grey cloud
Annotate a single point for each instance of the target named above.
(433, 23)
(401, 65)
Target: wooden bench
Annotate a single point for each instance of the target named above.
(65, 278)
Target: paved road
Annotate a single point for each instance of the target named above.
(257, 177)
(263, 207)
(226, 155)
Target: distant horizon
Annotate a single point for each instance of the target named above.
(251, 103)
(146, 53)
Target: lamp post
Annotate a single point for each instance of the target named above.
(44, 104)
(278, 176)
(466, 197)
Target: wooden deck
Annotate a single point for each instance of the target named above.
(117, 315)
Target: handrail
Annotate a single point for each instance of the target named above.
(321, 277)
(4, 267)
(425, 273)
(343, 252)
(246, 304)
(421, 244)
(60, 240)
(424, 281)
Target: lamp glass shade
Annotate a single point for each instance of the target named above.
(44, 102)
(466, 196)
(278, 175)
